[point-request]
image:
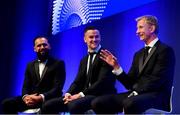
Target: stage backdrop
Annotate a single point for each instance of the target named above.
(118, 29)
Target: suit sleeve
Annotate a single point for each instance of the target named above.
(128, 80)
(104, 84)
(58, 81)
(27, 85)
(79, 82)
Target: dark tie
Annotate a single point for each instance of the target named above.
(91, 59)
(146, 49)
(89, 74)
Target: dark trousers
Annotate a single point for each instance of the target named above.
(111, 104)
(78, 106)
(14, 105)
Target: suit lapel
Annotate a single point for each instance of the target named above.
(90, 73)
(36, 66)
(49, 62)
(147, 59)
(84, 64)
(141, 61)
(44, 71)
(95, 60)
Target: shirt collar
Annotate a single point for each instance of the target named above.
(42, 62)
(152, 43)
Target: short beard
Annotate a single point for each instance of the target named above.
(43, 57)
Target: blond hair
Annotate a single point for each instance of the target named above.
(152, 20)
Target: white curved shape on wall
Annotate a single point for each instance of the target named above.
(73, 13)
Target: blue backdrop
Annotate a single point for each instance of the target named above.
(32, 18)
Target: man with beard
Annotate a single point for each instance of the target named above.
(44, 80)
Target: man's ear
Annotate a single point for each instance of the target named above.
(85, 39)
(152, 28)
(49, 46)
(34, 49)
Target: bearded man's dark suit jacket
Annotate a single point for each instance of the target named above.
(101, 80)
(151, 80)
(50, 84)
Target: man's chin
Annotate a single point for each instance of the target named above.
(141, 38)
(42, 55)
(94, 47)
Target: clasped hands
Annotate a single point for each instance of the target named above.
(68, 97)
(32, 100)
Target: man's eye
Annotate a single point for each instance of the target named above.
(97, 36)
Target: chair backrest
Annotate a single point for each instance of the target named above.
(172, 90)
(158, 111)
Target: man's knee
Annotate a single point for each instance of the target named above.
(98, 106)
(9, 105)
(49, 107)
(45, 106)
(5, 104)
(73, 107)
(130, 106)
(96, 103)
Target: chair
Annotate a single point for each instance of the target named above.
(90, 112)
(30, 111)
(158, 111)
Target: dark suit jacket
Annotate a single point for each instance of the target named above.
(156, 75)
(51, 82)
(102, 80)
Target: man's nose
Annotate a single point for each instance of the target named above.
(137, 31)
(95, 38)
(42, 46)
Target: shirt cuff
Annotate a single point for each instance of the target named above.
(81, 94)
(118, 71)
(43, 97)
(67, 94)
(24, 96)
(134, 93)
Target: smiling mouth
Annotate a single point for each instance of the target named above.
(95, 44)
(140, 35)
(43, 51)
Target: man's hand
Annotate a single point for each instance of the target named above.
(109, 58)
(71, 98)
(66, 97)
(32, 100)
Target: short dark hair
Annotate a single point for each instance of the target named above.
(37, 37)
(90, 28)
